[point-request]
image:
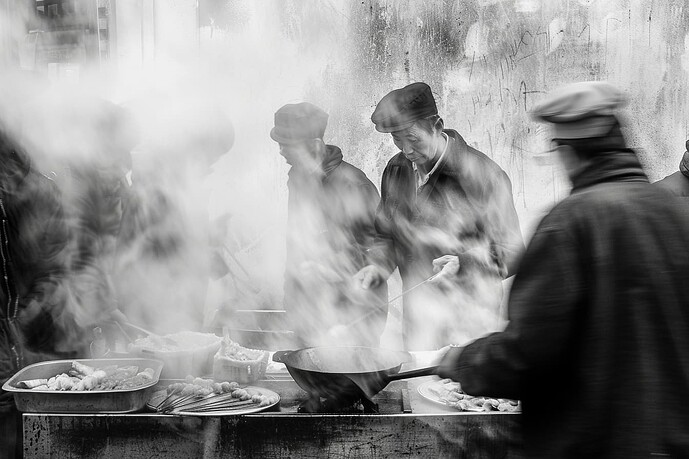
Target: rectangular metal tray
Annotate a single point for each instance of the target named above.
(92, 401)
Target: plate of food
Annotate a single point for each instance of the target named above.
(207, 397)
(449, 393)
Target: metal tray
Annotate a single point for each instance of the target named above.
(91, 401)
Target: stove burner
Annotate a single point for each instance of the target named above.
(338, 406)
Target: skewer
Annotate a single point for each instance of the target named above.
(175, 389)
(203, 406)
(181, 402)
(236, 407)
(183, 399)
(210, 399)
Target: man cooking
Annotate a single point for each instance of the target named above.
(441, 200)
(330, 225)
(597, 347)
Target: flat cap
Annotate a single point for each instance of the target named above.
(400, 108)
(299, 122)
(580, 110)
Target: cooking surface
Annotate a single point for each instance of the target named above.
(406, 425)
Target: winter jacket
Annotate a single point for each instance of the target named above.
(597, 347)
(330, 225)
(465, 205)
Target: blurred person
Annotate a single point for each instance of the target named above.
(33, 244)
(330, 225)
(441, 200)
(678, 182)
(597, 347)
(95, 189)
(165, 257)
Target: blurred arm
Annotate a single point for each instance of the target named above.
(544, 301)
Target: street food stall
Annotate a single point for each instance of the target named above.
(267, 414)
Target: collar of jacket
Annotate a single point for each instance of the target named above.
(450, 163)
(331, 159)
(613, 166)
(684, 164)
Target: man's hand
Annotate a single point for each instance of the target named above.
(118, 316)
(449, 362)
(447, 268)
(371, 276)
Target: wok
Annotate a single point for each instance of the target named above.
(347, 372)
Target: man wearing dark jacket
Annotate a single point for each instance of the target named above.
(32, 261)
(331, 208)
(441, 199)
(678, 183)
(597, 347)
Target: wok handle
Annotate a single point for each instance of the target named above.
(278, 356)
(428, 371)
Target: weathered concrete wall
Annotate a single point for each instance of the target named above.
(488, 62)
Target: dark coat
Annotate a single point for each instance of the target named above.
(678, 183)
(466, 204)
(33, 254)
(93, 199)
(330, 223)
(597, 346)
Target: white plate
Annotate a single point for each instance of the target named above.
(426, 392)
(159, 396)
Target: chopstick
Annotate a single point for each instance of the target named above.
(384, 306)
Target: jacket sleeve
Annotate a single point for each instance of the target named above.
(365, 230)
(53, 257)
(43, 316)
(502, 224)
(382, 251)
(544, 300)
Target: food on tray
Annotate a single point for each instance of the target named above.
(207, 395)
(450, 393)
(237, 363)
(234, 351)
(85, 378)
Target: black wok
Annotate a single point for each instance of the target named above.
(347, 373)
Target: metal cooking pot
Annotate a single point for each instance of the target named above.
(347, 372)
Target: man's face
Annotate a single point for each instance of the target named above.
(299, 154)
(571, 162)
(417, 144)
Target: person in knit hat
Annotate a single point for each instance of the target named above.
(331, 209)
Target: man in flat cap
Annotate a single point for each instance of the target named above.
(597, 347)
(442, 203)
(330, 225)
